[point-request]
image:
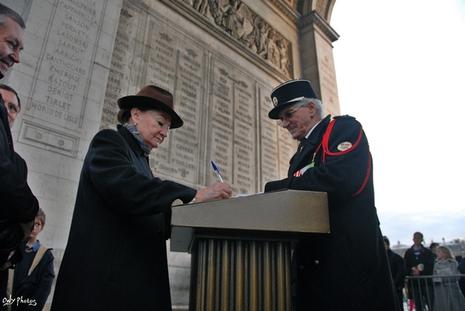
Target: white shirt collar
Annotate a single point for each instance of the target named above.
(311, 130)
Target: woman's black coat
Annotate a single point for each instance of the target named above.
(116, 258)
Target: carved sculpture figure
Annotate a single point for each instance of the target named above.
(242, 24)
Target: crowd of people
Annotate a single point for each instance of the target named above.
(428, 278)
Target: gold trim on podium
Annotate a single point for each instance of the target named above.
(230, 275)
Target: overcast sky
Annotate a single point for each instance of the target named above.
(400, 68)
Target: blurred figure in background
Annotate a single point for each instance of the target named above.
(419, 261)
(462, 271)
(433, 248)
(396, 262)
(33, 276)
(447, 294)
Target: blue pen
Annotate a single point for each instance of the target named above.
(216, 170)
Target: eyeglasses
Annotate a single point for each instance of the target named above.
(287, 114)
(12, 108)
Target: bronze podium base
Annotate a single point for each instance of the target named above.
(241, 247)
(240, 275)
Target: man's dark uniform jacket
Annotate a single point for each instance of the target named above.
(116, 253)
(346, 270)
(17, 203)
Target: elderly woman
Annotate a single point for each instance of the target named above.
(116, 253)
(447, 294)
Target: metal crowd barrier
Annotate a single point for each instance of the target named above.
(434, 292)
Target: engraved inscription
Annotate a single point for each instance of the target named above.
(122, 69)
(233, 127)
(175, 63)
(221, 123)
(269, 140)
(66, 64)
(188, 95)
(244, 136)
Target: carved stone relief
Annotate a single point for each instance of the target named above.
(244, 25)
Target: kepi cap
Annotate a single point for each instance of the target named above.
(289, 93)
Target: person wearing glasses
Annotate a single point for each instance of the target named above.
(348, 268)
(116, 257)
(18, 204)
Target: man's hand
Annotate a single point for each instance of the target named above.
(216, 191)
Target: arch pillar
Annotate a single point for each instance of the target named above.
(316, 38)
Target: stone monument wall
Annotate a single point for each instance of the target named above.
(221, 95)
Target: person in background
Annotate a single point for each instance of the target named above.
(447, 294)
(419, 261)
(433, 247)
(17, 201)
(18, 204)
(396, 263)
(348, 269)
(116, 257)
(33, 276)
(461, 268)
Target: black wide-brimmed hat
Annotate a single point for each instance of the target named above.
(152, 97)
(289, 93)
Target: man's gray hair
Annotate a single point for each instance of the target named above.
(316, 102)
(7, 12)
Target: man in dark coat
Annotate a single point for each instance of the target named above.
(116, 257)
(18, 204)
(348, 269)
(397, 265)
(419, 261)
(461, 268)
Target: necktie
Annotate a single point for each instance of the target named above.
(301, 145)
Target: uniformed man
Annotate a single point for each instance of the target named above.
(346, 270)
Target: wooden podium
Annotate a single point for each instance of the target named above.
(241, 247)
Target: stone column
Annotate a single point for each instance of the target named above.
(317, 61)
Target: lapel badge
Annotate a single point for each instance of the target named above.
(275, 101)
(344, 146)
